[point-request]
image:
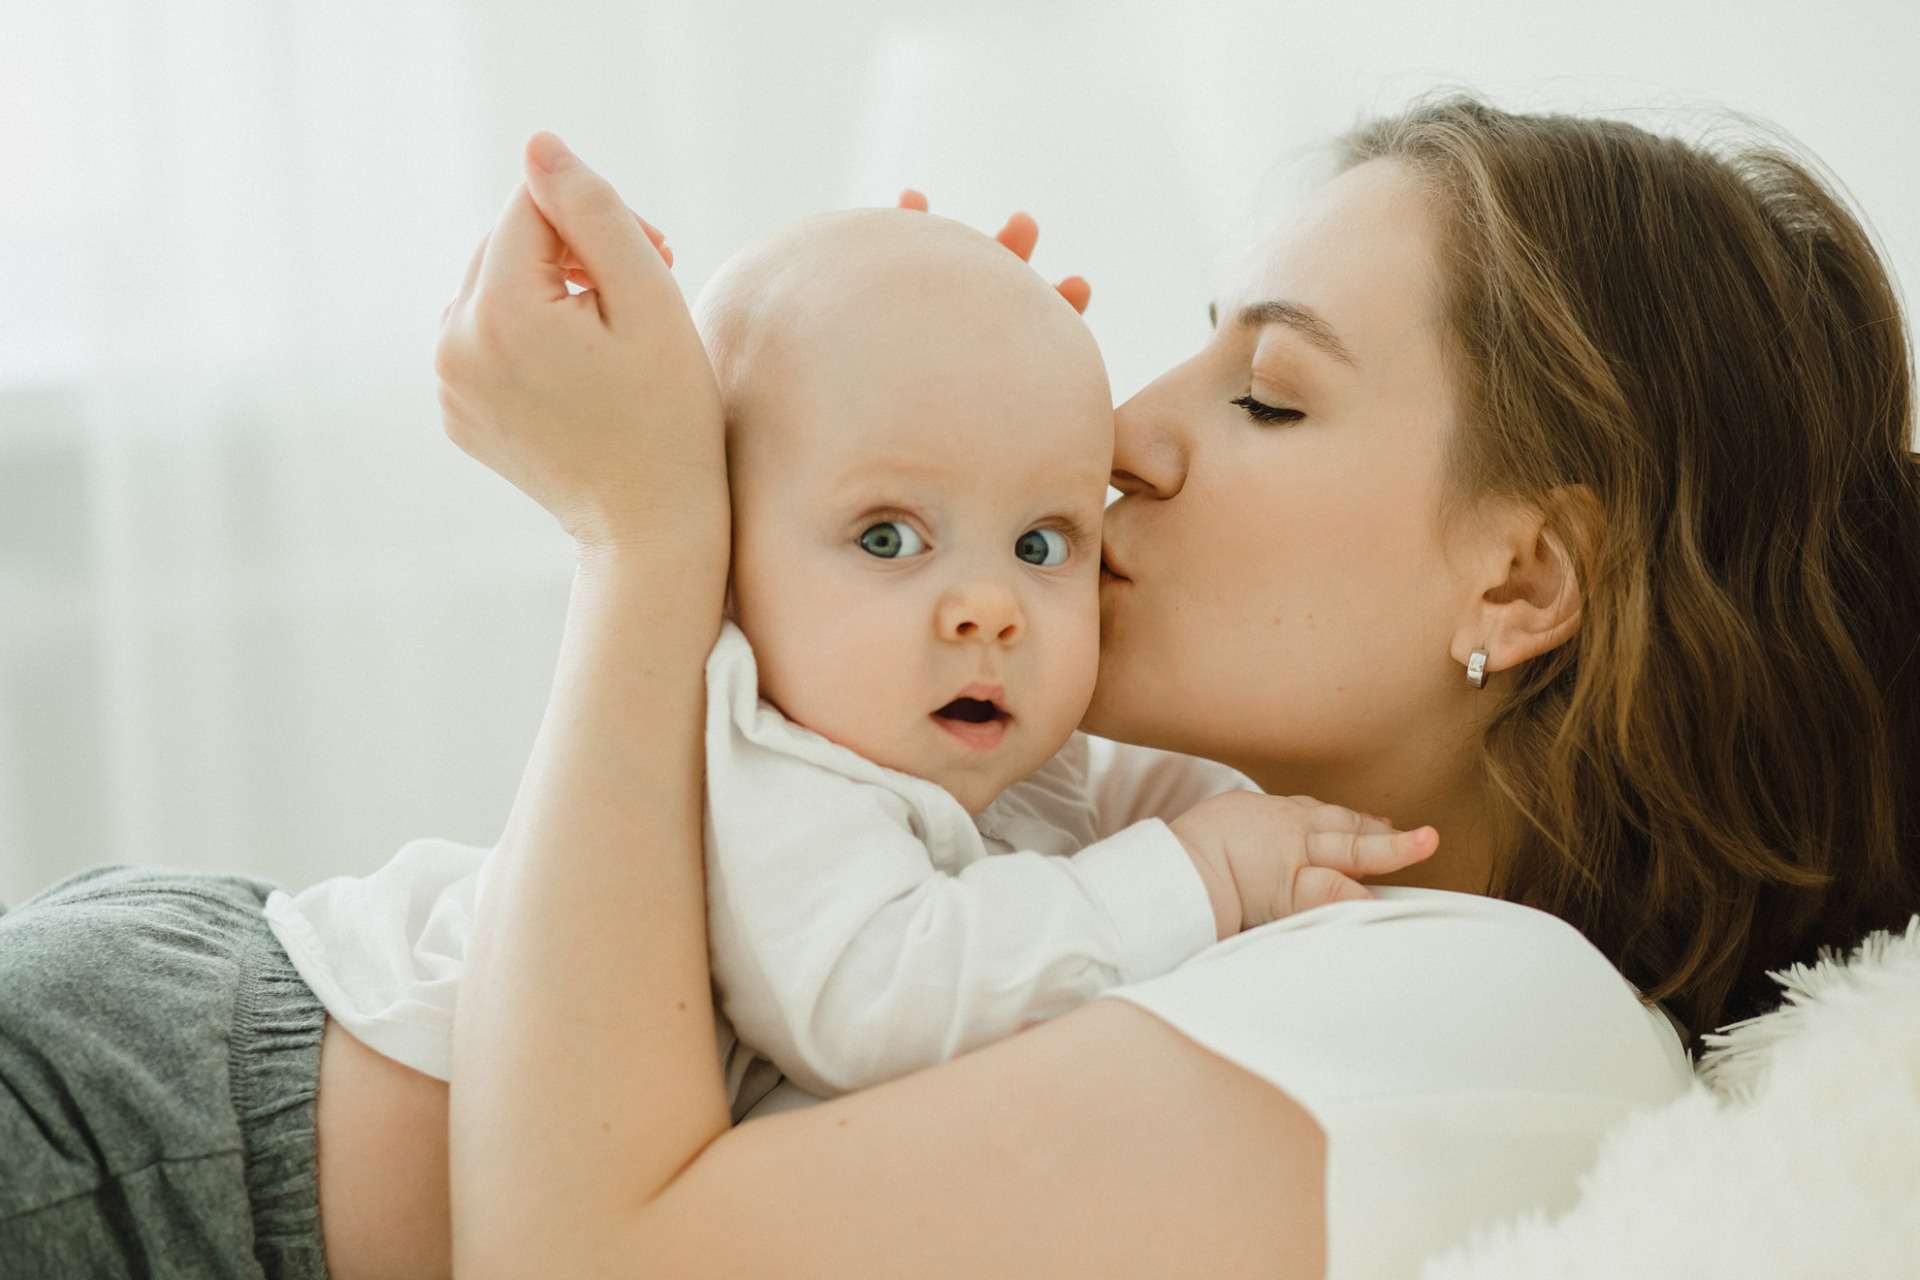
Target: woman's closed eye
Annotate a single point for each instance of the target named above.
(1260, 412)
(891, 540)
(1045, 548)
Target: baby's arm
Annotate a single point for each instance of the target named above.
(1265, 857)
(1129, 784)
(1262, 857)
(848, 958)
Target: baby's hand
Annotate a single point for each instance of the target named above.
(1264, 857)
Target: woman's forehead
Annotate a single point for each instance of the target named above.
(1355, 269)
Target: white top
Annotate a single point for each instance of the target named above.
(1463, 1056)
(861, 925)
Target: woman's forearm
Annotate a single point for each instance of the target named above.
(586, 1100)
(584, 1048)
(584, 1071)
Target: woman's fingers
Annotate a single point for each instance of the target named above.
(577, 271)
(605, 238)
(467, 281)
(658, 239)
(524, 259)
(1020, 235)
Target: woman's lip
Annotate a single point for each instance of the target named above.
(1108, 569)
(981, 737)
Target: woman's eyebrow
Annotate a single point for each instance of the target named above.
(1299, 317)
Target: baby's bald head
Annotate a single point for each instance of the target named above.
(919, 434)
(841, 305)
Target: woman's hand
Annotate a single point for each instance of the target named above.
(1264, 857)
(1020, 235)
(585, 1075)
(600, 405)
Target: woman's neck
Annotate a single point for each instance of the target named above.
(1410, 788)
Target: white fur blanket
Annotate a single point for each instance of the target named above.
(1797, 1155)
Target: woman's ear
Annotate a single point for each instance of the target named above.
(1527, 593)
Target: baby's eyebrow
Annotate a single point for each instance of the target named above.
(1299, 317)
(883, 471)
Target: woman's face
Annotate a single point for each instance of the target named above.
(1278, 597)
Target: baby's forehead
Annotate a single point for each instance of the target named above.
(893, 326)
(851, 276)
(950, 467)
(842, 285)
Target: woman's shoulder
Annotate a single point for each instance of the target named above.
(1419, 991)
(1462, 1055)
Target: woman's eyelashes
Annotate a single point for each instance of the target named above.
(891, 540)
(1260, 412)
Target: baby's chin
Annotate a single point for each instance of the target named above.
(978, 785)
(975, 784)
(975, 777)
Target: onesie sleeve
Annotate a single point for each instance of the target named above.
(859, 930)
(1132, 784)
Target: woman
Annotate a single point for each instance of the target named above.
(1618, 422)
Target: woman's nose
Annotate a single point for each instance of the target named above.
(1151, 436)
(982, 609)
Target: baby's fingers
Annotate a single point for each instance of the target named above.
(1321, 816)
(1373, 853)
(1318, 886)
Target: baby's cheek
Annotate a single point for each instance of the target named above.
(839, 693)
(1071, 666)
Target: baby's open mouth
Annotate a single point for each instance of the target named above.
(971, 710)
(980, 723)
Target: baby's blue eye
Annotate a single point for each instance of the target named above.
(1044, 547)
(891, 540)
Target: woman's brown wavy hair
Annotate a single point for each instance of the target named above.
(1721, 773)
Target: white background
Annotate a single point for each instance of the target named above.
(255, 612)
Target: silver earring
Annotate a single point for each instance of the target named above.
(1477, 669)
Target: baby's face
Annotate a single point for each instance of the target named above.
(919, 458)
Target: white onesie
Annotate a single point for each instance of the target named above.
(862, 924)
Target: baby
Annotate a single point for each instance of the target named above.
(910, 850)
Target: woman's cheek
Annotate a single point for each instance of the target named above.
(1085, 668)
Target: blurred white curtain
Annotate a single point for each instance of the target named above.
(256, 613)
(250, 611)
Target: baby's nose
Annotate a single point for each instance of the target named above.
(981, 610)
